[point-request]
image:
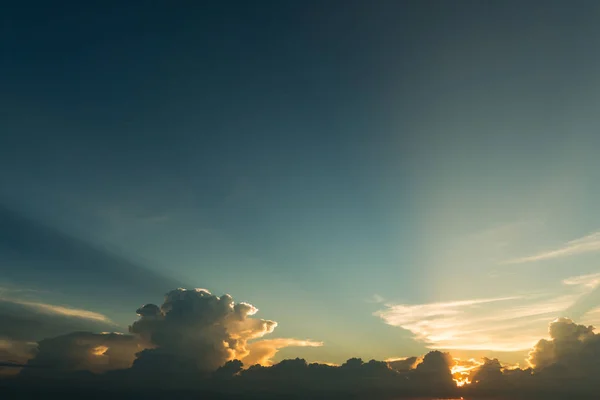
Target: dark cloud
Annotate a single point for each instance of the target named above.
(404, 365)
(84, 351)
(571, 346)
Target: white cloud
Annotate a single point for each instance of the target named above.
(589, 281)
(375, 299)
(63, 311)
(206, 330)
(586, 244)
(494, 324)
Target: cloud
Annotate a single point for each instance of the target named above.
(206, 331)
(375, 299)
(63, 311)
(403, 364)
(83, 351)
(574, 346)
(586, 244)
(589, 281)
(262, 351)
(497, 324)
(14, 354)
(33, 321)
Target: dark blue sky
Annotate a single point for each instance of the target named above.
(303, 156)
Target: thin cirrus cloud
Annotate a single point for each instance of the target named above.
(492, 324)
(589, 281)
(586, 244)
(63, 311)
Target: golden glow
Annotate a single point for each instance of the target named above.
(99, 351)
(461, 370)
(463, 382)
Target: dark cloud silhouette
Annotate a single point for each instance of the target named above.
(404, 365)
(84, 351)
(197, 342)
(576, 348)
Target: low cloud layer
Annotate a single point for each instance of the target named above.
(83, 351)
(212, 345)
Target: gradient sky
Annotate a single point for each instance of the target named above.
(380, 176)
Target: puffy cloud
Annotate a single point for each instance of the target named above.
(79, 351)
(573, 346)
(206, 330)
(490, 370)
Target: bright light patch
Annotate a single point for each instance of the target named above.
(99, 351)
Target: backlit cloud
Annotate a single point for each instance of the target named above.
(206, 331)
(496, 324)
(586, 244)
(262, 351)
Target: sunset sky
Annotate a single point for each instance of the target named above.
(379, 179)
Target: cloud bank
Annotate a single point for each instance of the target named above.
(212, 346)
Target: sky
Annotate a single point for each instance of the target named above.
(380, 179)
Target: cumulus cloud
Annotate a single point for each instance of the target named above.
(84, 351)
(573, 346)
(206, 330)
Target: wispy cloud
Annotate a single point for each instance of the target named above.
(496, 324)
(61, 310)
(375, 299)
(586, 244)
(589, 281)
